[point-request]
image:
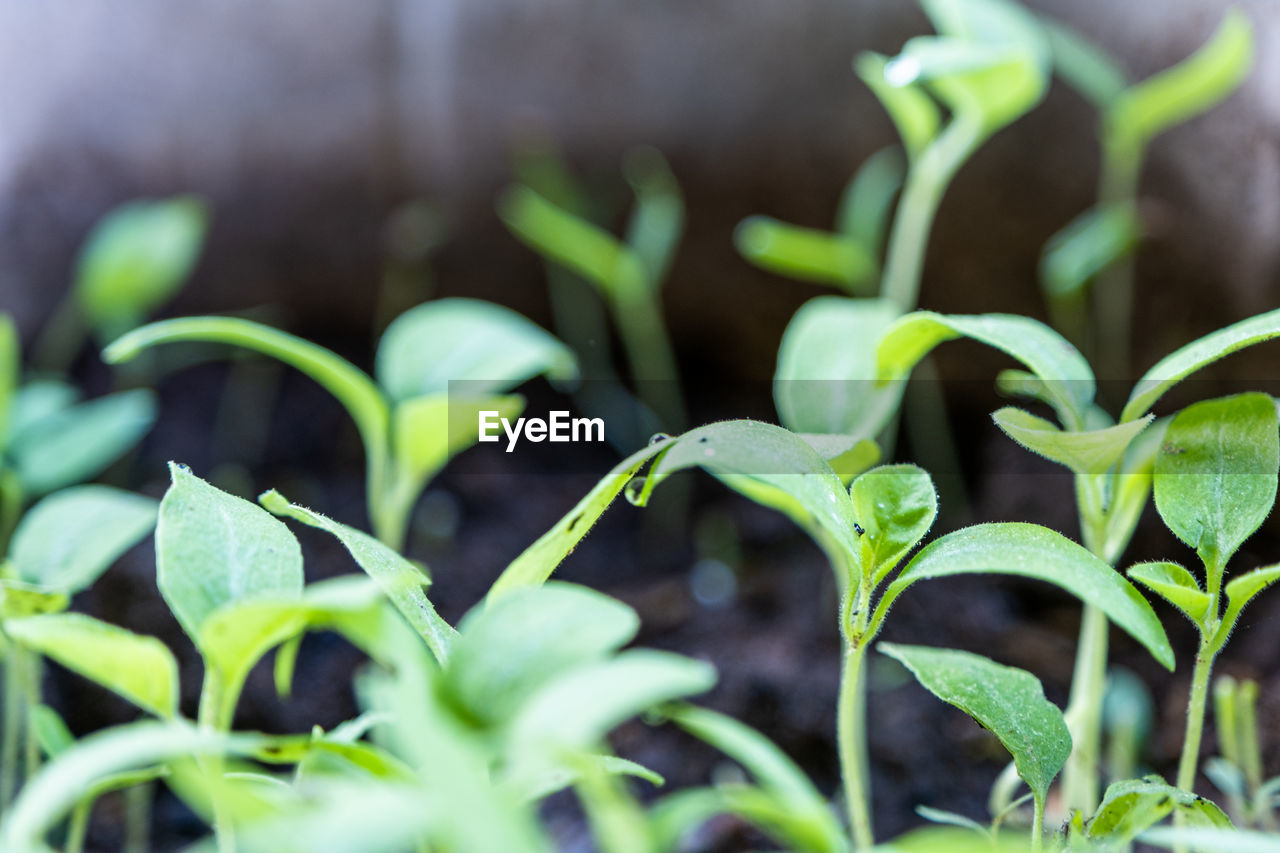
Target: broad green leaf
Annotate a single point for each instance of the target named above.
(1031, 551)
(1083, 66)
(508, 649)
(1091, 452)
(430, 430)
(213, 549)
(1215, 476)
(1147, 109)
(826, 376)
(488, 347)
(536, 563)
(36, 400)
(19, 599)
(1175, 585)
(139, 668)
(867, 202)
(896, 506)
(586, 249)
(75, 444)
(1205, 840)
(401, 581)
(1066, 375)
(657, 220)
(1134, 805)
(807, 254)
(1007, 701)
(1089, 244)
(1176, 366)
(10, 371)
(914, 113)
(137, 257)
(70, 538)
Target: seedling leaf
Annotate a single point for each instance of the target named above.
(1088, 452)
(896, 506)
(1083, 66)
(657, 219)
(1175, 585)
(70, 538)
(141, 669)
(807, 254)
(1007, 701)
(18, 599)
(430, 430)
(1215, 476)
(867, 202)
(1089, 244)
(913, 112)
(1134, 805)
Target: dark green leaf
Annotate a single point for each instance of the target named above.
(1134, 805)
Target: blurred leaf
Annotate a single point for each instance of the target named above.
(657, 220)
(486, 346)
(1007, 701)
(1204, 840)
(896, 506)
(1089, 244)
(139, 668)
(1175, 585)
(1083, 66)
(1132, 806)
(826, 376)
(136, 258)
(1091, 452)
(1028, 550)
(847, 455)
(36, 400)
(946, 818)
(50, 731)
(1216, 474)
(75, 444)
(913, 112)
(430, 430)
(1131, 487)
(1147, 109)
(807, 254)
(18, 599)
(10, 371)
(867, 203)
(71, 537)
(213, 549)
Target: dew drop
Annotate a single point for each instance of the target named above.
(633, 490)
(658, 438)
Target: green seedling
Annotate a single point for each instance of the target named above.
(1112, 461)
(1098, 245)
(628, 273)
(1237, 770)
(409, 420)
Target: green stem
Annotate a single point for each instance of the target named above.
(1195, 718)
(1113, 290)
(137, 818)
(851, 735)
(651, 358)
(1037, 825)
(12, 733)
(216, 709)
(78, 826)
(30, 666)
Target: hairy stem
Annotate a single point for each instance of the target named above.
(851, 734)
(1189, 762)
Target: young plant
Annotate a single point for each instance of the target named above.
(437, 366)
(1098, 245)
(1237, 770)
(1112, 462)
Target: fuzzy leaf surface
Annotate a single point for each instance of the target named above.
(896, 506)
(1175, 585)
(1087, 452)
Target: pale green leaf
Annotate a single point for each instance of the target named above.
(75, 444)
(430, 430)
(946, 818)
(807, 254)
(139, 668)
(1090, 452)
(1176, 366)
(10, 371)
(1175, 585)
(486, 347)
(213, 549)
(33, 402)
(1132, 806)
(1007, 701)
(1083, 66)
(70, 538)
(1031, 551)
(847, 455)
(825, 381)
(896, 506)
(137, 257)
(867, 203)
(1205, 840)
(1240, 591)
(1216, 474)
(914, 113)
(50, 730)
(19, 599)
(657, 220)
(1089, 244)
(1065, 374)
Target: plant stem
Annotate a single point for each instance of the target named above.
(1113, 290)
(30, 665)
(1037, 825)
(213, 715)
(1084, 712)
(1195, 717)
(137, 817)
(78, 826)
(651, 358)
(851, 734)
(12, 734)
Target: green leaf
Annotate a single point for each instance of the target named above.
(1132, 806)
(1176, 366)
(825, 380)
(1175, 585)
(1059, 365)
(1007, 701)
(1031, 551)
(1240, 591)
(36, 400)
(1089, 244)
(867, 202)
(847, 455)
(1215, 476)
(1204, 840)
(19, 599)
(946, 818)
(75, 444)
(137, 257)
(213, 549)
(1083, 66)
(1147, 109)
(401, 581)
(559, 236)
(1090, 452)
(51, 732)
(10, 371)
(536, 563)
(141, 669)
(657, 220)
(508, 649)
(807, 254)
(428, 431)
(70, 538)
(488, 347)
(1131, 487)
(896, 506)
(913, 112)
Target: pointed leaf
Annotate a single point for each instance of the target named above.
(139, 668)
(1216, 474)
(1090, 452)
(896, 506)
(1175, 585)
(1240, 591)
(1059, 365)
(70, 538)
(1134, 805)
(1007, 701)
(1028, 550)
(807, 254)
(1176, 366)
(487, 346)
(213, 549)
